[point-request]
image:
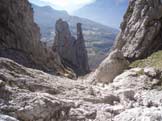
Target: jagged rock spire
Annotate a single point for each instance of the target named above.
(81, 52)
(79, 32)
(71, 50)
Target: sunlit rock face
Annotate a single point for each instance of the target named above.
(141, 29)
(141, 35)
(71, 50)
(20, 38)
(111, 67)
(31, 95)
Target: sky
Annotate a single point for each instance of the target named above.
(110, 12)
(68, 5)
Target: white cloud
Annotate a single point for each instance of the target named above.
(69, 5)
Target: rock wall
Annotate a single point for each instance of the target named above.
(20, 38)
(140, 36)
(71, 50)
(141, 29)
(18, 30)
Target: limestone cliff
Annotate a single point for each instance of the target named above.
(140, 36)
(20, 38)
(141, 29)
(71, 50)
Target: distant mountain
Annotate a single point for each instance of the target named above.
(99, 38)
(108, 12)
(46, 18)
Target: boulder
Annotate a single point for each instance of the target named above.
(151, 72)
(112, 66)
(137, 79)
(140, 114)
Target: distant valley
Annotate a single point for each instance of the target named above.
(99, 38)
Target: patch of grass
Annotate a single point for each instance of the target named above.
(155, 60)
(141, 72)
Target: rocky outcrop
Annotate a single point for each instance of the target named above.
(141, 29)
(140, 36)
(31, 95)
(112, 66)
(72, 51)
(26, 94)
(20, 38)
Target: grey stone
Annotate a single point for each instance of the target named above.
(7, 118)
(140, 114)
(2, 83)
(20, 39)
(141, 28)
(112, 66)
(151, 72)
(71, 50)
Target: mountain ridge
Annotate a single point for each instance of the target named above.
(103, 11)
(57, 14)
(99, 38)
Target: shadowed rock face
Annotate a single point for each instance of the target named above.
(81, 52)
(71, 50)
(20, 38)
(18, 30)
(141, 29)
